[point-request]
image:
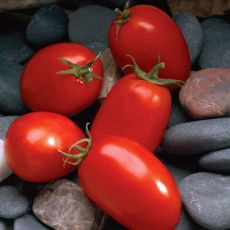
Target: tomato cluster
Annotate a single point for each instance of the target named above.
(117, 168)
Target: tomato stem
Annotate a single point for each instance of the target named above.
(83, 151)
(152, 75)
(84, 73)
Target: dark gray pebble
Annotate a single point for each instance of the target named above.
(12, 203)
(89, 25)
(28, 222)
(13, 47)
(197, 137)
(48, 25)
(191, 29)
(216, 44)
(206, 198)
(5, 122)
(218, 161)
(2, 226)
(10, 99)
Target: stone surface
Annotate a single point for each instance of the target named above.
(10, 100)
(63, 205)
(5, 122)
(48, 25)
(111, 72)
(191, 29)
(215, 51)
(206, 93)
(2, 226)
(197, 137)
(206, 198)
(13, 47)
(186, 223)
(89, 25)
(12, 203)
(217, 161)
(28, 222)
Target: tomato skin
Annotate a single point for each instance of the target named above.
(32, 143)
(130, 184)
(148, 34)
(43, 89)
(135, 109)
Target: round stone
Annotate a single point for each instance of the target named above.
(48, 25)
(12, 203)
(191, 29)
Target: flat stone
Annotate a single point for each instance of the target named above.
(13, 47)
(10, 99)
(206, 198)
(28, 222)
(197, 137)
(206, 93)
(89, 25)
(63, 205)
(5, 122)
(191, 29)
(217, 161)
(48, 25)
(12, 203)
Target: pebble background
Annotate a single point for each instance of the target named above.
(196, 152)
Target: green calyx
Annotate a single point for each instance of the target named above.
(83, 73)
(152, 75)
(124, 15)
(82, 151)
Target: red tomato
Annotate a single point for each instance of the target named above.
(130, 184)
(146, 34)
(32, 143)
(135, 109)
(43, 88)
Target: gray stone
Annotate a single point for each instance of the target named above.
(191, 29)
(28, 222)
(10, 99)
(13, 47)
(48, 25)
(89, 25)
(197, 137)
(5, 122)
(217, 161)
(186, 223)
(2, 226)
(206, 198)
(63, 205)
(12, 203)
(216, 44)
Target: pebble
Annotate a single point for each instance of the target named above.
(28, 222)
(206, 198)
(206, 93)
(5, 122)
(2, 226)
(13, 47)
(197, 137)
(10, 99)
(64, 205)
(216, 44)
(48, 25)
(191, 29)
(91, 31)
(217, 161)
(12, 203)
(186, 223)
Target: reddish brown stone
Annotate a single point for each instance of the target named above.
(206, 93)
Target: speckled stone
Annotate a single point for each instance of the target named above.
(191, 29)
(48, 25)
(197, 137)
(206, 198)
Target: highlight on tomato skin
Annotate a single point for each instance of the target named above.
(130, 184)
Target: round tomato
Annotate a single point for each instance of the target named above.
(64, 78)
(130, 184)
(147, 33)
(32, 143)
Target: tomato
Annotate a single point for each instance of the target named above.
(135, 108)
(58, 79)
(32, 143)
(130, 184)
(147, 33)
